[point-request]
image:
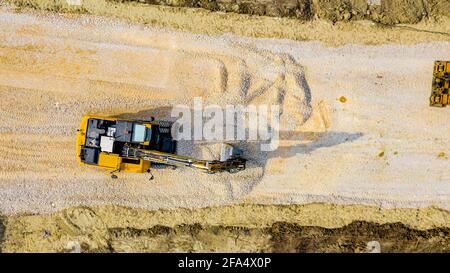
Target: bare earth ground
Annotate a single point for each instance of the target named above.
(200, 21)
(379, 147)
(237, 228)
(356, 130)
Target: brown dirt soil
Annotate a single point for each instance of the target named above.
(392, 237)
(336, 22)
(118, 229)
(280, 237)
(385, 11)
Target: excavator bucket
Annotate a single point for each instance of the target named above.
(228, 151)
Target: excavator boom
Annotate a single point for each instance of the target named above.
(231, 164)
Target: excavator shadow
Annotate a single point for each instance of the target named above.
(162, 113)
(316, 141)
(298, 142)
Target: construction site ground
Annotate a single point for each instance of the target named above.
(359, 141)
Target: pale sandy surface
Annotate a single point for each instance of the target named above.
(53, 70)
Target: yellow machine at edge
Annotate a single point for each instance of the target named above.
(440, 96)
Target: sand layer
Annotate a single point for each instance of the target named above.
(381, 145)
(364, 132)
(244, 228)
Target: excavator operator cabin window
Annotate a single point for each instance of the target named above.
(138, 133)
(148, 134)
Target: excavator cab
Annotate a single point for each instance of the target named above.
(440, 96)
(133, 146)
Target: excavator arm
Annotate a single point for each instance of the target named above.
(230, 162)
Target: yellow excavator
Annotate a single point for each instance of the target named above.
(440, 96)
(137, 145)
